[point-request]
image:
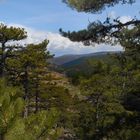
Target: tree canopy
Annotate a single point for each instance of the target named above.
(38, 103)
(94, 6)
(9, 34)
(110, 105)
(109, 31)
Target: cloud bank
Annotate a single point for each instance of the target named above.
(60, 45)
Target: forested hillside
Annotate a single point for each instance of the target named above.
(66, 59)
(84, 97)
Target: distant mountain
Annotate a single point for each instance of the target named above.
(76, 66)
(66, 60)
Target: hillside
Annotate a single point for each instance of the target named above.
(69, 59)
(82, 61)
(82, 65)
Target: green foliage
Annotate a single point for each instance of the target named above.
(94, 6)
(106, 105)
(111, 92)
(42, 88)
(34, 111)
(109, 106)
(104, 98)
(11, 33)
(11, 107)
(38, 126)
(6, 51)
(43, 125)
(14, 127)
(101, 32)
(85, 67)
(109, 32)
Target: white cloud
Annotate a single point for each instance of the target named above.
(60, 45)
(125, 19)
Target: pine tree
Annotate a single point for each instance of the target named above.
(8, 34)
(29, 69)
(13, 126)
(94, 6)
(11, 107)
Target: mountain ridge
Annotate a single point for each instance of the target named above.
(65, 59)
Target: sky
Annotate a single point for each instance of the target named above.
(43, 18)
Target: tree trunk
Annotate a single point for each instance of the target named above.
(2, 63)
(1, 136)
(26, 92)
(36, 99)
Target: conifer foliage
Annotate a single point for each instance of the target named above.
(31, 100)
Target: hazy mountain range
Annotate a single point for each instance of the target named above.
(74, 59)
